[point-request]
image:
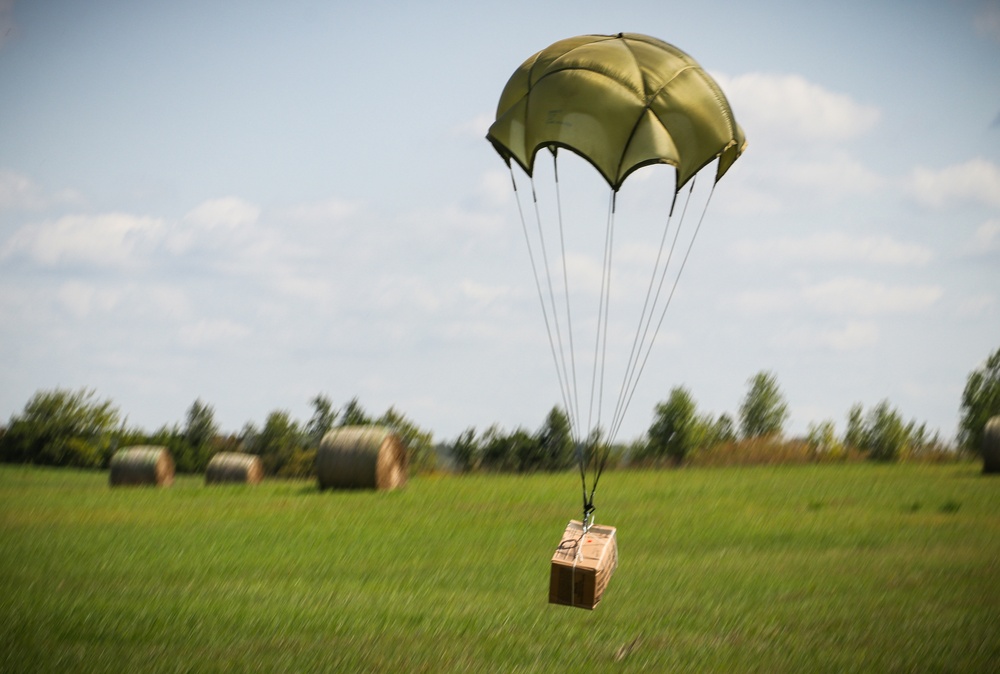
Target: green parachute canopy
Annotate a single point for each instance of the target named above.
(621, 102)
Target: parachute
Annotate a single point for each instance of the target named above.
(621, 102)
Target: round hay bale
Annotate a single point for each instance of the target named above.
(234, 467)
(991, 446)
(142, 465)
(361, 457)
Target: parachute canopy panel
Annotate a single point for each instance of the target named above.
(621, 102)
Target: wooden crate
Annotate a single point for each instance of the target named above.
(582, 565)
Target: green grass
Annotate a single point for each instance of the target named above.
(788, 569)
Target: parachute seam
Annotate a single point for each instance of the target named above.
(597, 38)
(620, 179)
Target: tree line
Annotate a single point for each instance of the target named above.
(74, 428)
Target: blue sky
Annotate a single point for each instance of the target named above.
(252, 203)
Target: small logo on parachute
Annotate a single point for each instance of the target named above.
(555, 117)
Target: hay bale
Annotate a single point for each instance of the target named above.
(991, 446)
(142, 465)
(361, 457)
(234, 467)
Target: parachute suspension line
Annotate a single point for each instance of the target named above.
(574, 397)
(564, 376)
(538, 284)
(636, 344)
(601, 333)
(630, 379)
(592, 453)
(666, 306)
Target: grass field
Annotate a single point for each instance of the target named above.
(790, 569)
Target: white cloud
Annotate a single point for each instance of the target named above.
(855, 296)
(987, 236)
(836, 174)
(80, 298)
(18, 192)
(852, 336)
(790, 105)
(228, 225)
(782, 174)
(99, 309)
(213, 331)
(454, 222)
(832, 247)
(297, 283)
(977, 180)
(583, 272)
(495, 188)
(846, 296)
(161, 301)
(227, 212)
(326, 211)
(795, 127)
(481, 293)
(398, 294)
(112, 239)
(478, 126)
(757, 302)
(975, 306)
(745, 200)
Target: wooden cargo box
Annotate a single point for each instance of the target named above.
(582, 565)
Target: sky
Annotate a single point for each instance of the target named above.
(251, 204)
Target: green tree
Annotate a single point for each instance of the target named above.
(494, 450)
(854, 436)
(354, 415)
(980, 401)
(200, 431)
(555, 441)
(508, 452)
(192, 445)
(172, 437)
(281, 446)
(724, 429)
(323, 419)
(466, 451)
(248, 438)
(418, 442)
(822, 439)
(882, 434)
(707, 432)
(523, 451)
(63, 428)
(764, 411)
(673, 431)
(888, 436)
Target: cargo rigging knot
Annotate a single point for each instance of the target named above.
(588, 516)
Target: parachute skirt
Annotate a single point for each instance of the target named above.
(582, 565)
